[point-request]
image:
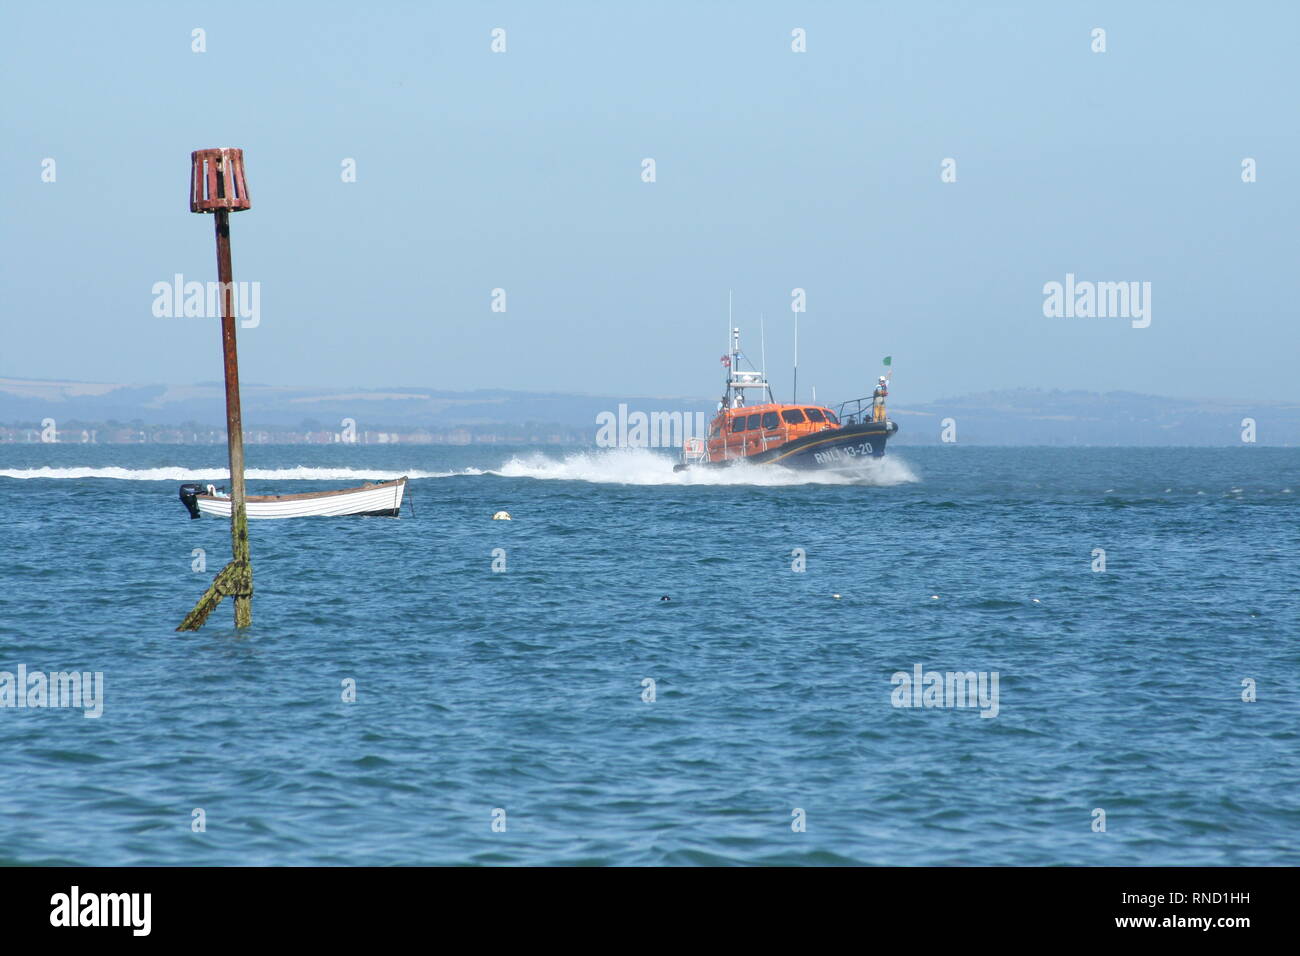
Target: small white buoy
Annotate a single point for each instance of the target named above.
(1036, 601)
(501, 516)
(835, 596)
(934, 597)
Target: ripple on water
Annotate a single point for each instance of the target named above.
(524, 690)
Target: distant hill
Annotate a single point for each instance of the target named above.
(28, 401)
(1038, 417)
(1010, 417)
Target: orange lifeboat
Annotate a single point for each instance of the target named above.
(794, 435)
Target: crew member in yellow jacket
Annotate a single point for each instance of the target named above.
(878, 400)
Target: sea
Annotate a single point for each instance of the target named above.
(952, 656)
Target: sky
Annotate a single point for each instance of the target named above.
(774, 170)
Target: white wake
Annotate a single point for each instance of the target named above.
(639, 466)
(618, 466)
(177, 473)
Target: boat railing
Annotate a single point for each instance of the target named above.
(855, 411)
(694, 451)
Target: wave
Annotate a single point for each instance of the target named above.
(640, 466)
(621, 466)
(178, 473)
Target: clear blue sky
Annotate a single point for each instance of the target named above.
(775, 170)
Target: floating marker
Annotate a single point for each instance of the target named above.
(217, 186)
(501, 516)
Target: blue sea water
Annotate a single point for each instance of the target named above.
(519, 695)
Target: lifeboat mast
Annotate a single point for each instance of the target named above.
(737, 381)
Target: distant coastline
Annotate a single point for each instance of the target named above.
(33, 411)
(143, 433)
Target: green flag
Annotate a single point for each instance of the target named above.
(888, 360)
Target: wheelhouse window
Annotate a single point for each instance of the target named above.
(814, 414)
(753, 421)
(830, 417)
(770, 420)
(738, 423)
(792, 416)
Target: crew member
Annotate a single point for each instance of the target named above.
(878, 400)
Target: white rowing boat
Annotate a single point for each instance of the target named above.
(383, 499)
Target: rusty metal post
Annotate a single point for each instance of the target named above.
(217, 186)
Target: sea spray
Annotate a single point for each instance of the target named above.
(219, 474)
(625, 466)
(639, 466)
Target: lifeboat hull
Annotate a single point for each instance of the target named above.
(830, 449)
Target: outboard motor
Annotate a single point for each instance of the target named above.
(189, 492)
